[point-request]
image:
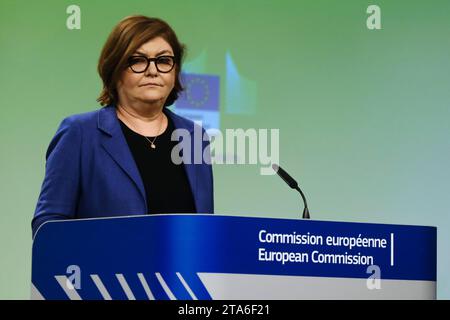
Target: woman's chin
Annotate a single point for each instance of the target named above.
(152, 98)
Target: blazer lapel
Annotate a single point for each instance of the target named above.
(113, 141)
(190, 169)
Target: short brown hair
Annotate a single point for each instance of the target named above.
(126, 37)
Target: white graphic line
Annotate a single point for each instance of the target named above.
(70, 292)
(125, 286)
(101, 287)
(146, 287)
(392, 249)
(165, 286)
(191, 293)
(35, 294)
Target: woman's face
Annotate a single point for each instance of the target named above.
(150, 86)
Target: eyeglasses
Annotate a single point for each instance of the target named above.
(139, 64)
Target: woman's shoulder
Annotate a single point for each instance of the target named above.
(83, 118)
(76, 124)
(91, 120)
(181, 122)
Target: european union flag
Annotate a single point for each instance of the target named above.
(201, 92)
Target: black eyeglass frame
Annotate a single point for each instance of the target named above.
(149, 60)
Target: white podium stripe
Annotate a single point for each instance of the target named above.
(227, 286)
(35, 294)
(186, 286)
(165, 286)
(125, 286)
(70, 292)
(146, 287)
(98, 282)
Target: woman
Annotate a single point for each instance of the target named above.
(117, 161)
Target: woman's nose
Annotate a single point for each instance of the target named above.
(151, 70)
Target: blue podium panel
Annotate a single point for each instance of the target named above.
(180, 256)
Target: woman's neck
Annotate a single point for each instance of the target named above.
(147, 122)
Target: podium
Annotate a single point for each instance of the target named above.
(203, 257)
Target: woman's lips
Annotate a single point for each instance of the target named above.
(151, 85)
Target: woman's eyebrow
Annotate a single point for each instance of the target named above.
(159, 53)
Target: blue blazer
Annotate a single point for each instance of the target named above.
(90, 171)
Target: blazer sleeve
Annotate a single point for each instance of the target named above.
(60, 189)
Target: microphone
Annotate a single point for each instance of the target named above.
(294, 185)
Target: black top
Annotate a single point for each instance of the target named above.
(166, 184)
